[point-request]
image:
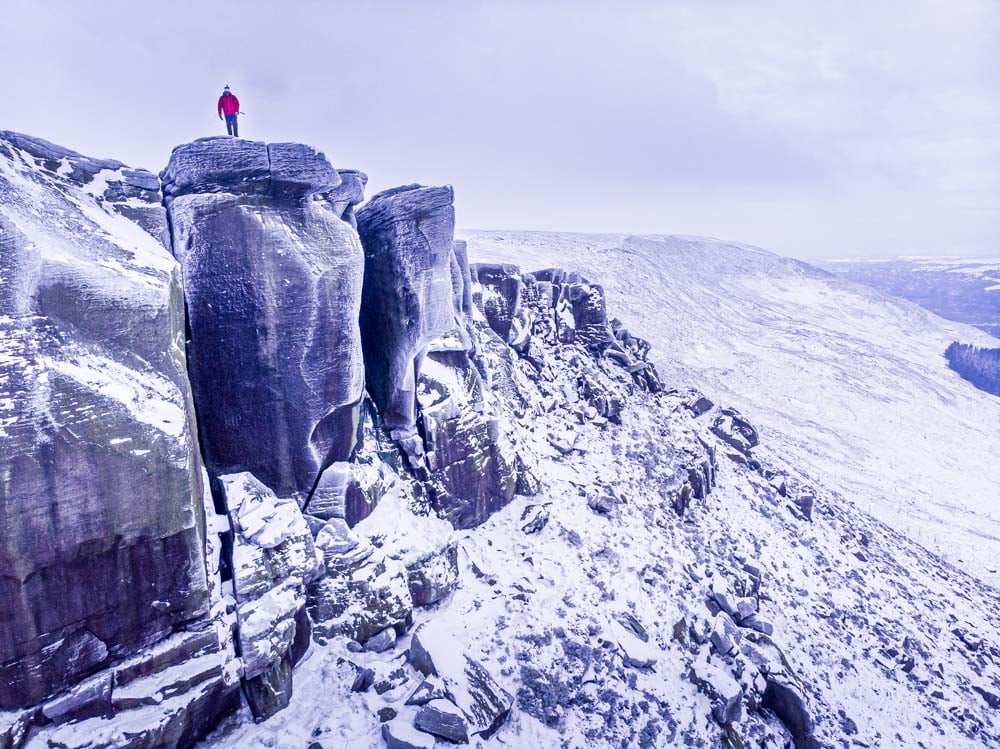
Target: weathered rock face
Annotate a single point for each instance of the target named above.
(102, 526)
(407, 301)
(273, 560)
(419, 349)
(272, 278)
(555, 306)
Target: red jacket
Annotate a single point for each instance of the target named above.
(228, 104)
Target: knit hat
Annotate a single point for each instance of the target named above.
(225, 89)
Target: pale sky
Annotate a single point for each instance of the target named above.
(813, 129)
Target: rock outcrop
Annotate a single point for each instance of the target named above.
(273, 559)
(110, 613)
(419, 353)
(553, 305)
(94, 565)
(272, 279)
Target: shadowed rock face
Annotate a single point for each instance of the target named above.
(416, 330)
(273, 283)
(407, 300)
(101, 529)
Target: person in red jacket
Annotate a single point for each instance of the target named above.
(229, 106)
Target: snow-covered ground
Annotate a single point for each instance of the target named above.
(889, 645)
(847, 383)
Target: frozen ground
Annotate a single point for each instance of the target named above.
(848, 384)
(889, 645)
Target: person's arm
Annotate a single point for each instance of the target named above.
(220, 107)
(237, 102)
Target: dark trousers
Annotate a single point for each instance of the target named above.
(231, 125)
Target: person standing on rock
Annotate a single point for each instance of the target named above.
(229, 106)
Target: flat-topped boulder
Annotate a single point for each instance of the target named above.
(235, 165)
(273, 289)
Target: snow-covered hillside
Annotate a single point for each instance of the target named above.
(847, 383)
(596, 605)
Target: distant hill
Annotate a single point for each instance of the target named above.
(961, 289)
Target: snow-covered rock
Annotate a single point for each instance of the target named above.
(425, 546)
(482, 702)
(273, 559)
(101, 539)
(418, 353)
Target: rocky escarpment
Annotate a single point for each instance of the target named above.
(288, 310)
(404, 499)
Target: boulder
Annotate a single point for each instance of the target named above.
(805, 502)
(100, 473)
(786, 701)
(363, 679)
(534, 518)
(362, 593)
(725, 635)
(633, 642)
(730, 427)
(429, 689)
(382, 641)
(444, 719)
(720, 687)
(434, 576)
(272, 281)
(467, 683)
(424, 545)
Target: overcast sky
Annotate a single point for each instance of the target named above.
(813, 129)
